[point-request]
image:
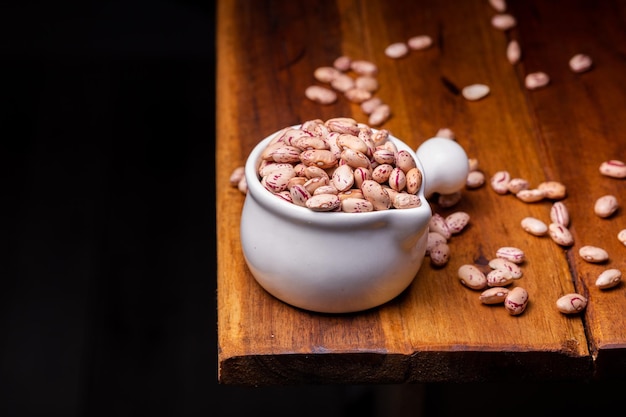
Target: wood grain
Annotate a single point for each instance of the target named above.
(436, 330)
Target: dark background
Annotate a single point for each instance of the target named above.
(107, 302)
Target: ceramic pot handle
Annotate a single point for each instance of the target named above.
(445, 166)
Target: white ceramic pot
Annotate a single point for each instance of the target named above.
(335, 262)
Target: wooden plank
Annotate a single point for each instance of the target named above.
(436, 330)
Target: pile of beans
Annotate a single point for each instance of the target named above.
(339, 165)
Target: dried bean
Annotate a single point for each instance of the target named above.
(413, 180)
(554, 190)
(495, 295)
(445, 132)
(513, 52)
(434, 238)
(580, 63)
(375, 194)
(342, 83)
(516, 301)
(420, 42)
(342, 63)
(613, 168)
(299, 195)
(560, 234)
(356, 205)
(593, 254)
(500, 182)
(498, 5)
(516, 185)
(357, 95)
(438, 224)
(475, 92)
(236, 175)
(608, 279)
(531, 196)
(405, 161)
(405, 200)
(534, 226)
(440, 254)
(605, 206)
(343, 178)
(472, 277)
(323, 202)
(397, 50)
(499, 278)
(571, 303)
(368, 106)
(363, 67)
(380, 115)
(621, 236)
(511, 253)
(397, 179)
(475, 179)
(472, 164)
(457, 221)
(536, 80)
(326, 74)
(511, 268)
(559, 214)
(366, 82)
(503, 21)
(320, 95)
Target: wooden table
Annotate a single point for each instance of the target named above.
(437, 330)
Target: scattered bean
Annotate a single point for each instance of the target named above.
(475, 179)
(554, 190)
(434, 238)
(397, 50)
(516, 185)
(536, 80)
(368, 106)
(498, 5)
(571, 303)
(499, 278)
(366, 82)
(342, 83)
(420, 42)
(363, 67)
(609, 278)
(511, 268)
(475, 92)
(580, 63)
(559, 213)
(236, 175)
(440, 254)
(445, 132)
(380, 115)
(357, 95)
(516, 301)
(605, 206)
(511, 253)
(326, 74)
(593, 254)
(513, 52)
(500, 182)
(534, 226)
(613, 168)
(621, 236)
(472, 164)
(320, 95)
(494, 295)
(472, 277)
(457, 221)
(342, 63)
(438, 224)
(560, 234)
(531, 196)
(503, 21)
